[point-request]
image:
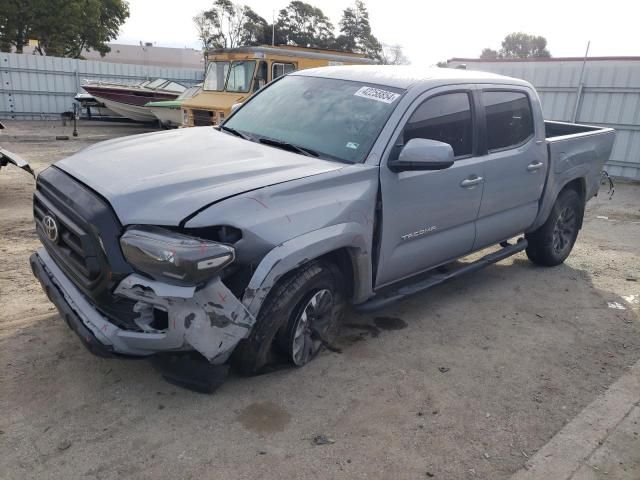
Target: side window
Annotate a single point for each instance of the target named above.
(280, 69)
(509, 119)
(445, 118)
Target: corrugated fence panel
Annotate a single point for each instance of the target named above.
(610, 97)
(35, 87)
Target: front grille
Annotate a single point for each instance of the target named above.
(202, 118)
(87, 246)
(74, 248)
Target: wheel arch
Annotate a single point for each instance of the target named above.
(346, 245)
(551, 194)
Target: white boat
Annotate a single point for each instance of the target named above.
(129, 100)
(139, 113)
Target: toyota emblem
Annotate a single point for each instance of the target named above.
(50, 227)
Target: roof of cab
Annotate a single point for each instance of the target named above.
(407, 76)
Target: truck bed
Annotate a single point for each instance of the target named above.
(554, 130)
(576, 153)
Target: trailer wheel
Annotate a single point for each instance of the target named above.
(300, 314)
(552, 243)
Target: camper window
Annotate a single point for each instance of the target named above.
(280, 69)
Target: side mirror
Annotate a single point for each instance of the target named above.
(423, 154)
(235, 106)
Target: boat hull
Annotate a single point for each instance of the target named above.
(129, 96)
(168, 116)
(129, 101)
(139, 113)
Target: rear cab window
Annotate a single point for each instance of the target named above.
(509, 119)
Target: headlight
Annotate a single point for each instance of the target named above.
(173, 257)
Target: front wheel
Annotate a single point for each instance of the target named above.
(300, 314)
(552, 243)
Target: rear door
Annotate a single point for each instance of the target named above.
(428, 217)
(515, 164)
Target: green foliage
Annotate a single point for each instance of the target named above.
(16, 23)
(355, 33)
(489, 54)
(519, 45)
(61, 27)
(523, 45)
(229, 25)
(304, 25)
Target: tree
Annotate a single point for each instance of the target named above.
(489, 54)
(61, 27)
(393, 55)
(523, 45)
(16, 21)
(519, 45)
(356, 33)
(304, 25)
(256, 30)
(229, 25)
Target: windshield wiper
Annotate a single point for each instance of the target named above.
(233, 131)
(289, 146)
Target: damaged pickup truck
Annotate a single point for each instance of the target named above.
(330, 186)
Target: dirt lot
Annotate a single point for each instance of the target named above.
(474, 377)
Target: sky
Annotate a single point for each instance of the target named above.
(429, 31)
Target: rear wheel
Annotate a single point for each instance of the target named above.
(301, 313)
(552, 243)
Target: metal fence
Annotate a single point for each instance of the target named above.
(37, 87)
(608, 95)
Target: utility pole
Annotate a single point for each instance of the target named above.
(273, 28)
(576, 109)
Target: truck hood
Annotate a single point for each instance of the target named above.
(161, 178)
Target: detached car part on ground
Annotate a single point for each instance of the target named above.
(329, 186)
(7, 157)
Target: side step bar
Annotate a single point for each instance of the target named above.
(436, 278)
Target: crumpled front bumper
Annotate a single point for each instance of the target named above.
(210, 320)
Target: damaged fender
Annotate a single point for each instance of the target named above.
(299, 250)
(211, 320)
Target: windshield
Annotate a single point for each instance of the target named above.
(216, 76)
(189, 93)
(240, 76)
(173, 87)
(339, 119)
(156, 83)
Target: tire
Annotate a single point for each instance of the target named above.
(280, 315)
(552, 243)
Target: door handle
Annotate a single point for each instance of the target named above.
(532, 167)
(471, 182)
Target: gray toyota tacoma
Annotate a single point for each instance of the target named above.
(332, 186)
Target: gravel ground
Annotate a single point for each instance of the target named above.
(466, 380)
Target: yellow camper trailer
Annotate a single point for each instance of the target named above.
(233, 74)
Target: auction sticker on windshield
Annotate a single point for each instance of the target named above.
(377, 94)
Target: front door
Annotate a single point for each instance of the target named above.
(428, 217)
(515, 166)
